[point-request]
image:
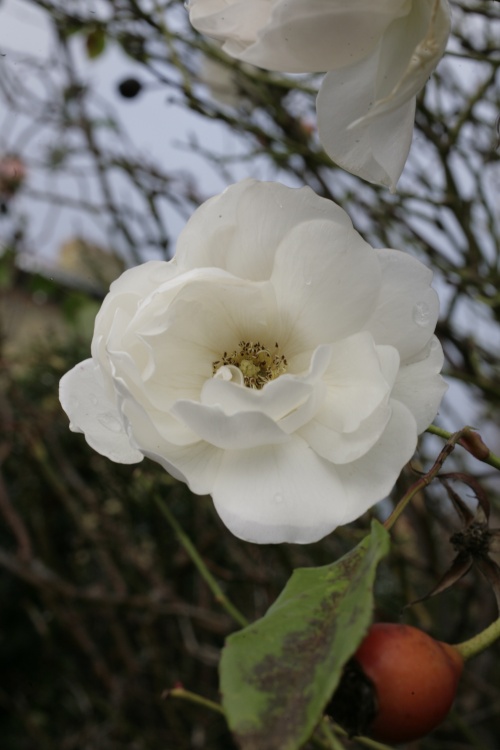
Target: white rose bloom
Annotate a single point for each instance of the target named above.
(278, 362)
(378, 54)
(221, 81)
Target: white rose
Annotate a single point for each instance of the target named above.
(378, 54)
(278, 362)
(221, 81)
(219, 75)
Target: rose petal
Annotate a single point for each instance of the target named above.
(389, 363)
(128, 386)
(356, 408)
(407, 309)
(376, 149)
(411, 49)
(125, 296)
(420, 387)
(345, 447)
(372, 477)
(276, 399)
(289, 494)
(146, 277)
(238, 20)
(196, 464)
(356, 382)
(280, 493)
(90, 411)
(240, 229)
(237, 431)
(317, 270)
(128, 291)
(315, 35)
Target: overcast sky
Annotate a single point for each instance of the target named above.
(154, 127)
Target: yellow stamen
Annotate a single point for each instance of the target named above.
(256, 363)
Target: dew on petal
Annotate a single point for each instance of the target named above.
(421, 314)
(110, 422)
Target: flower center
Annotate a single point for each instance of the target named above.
(257, 364)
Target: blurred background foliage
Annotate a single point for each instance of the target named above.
(103, 610)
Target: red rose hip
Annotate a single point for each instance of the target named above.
(414, 677)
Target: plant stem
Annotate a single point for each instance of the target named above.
(187, 695)
(365, 741)
(480, 642)
(193, 553)
(332, 741)
(453, 439)
(490, 459)
(372, 744)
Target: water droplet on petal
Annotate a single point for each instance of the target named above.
(421, 314)
(308, 282)
(278, 498)
(110, 422)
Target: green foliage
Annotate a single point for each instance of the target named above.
(6, 269)
(278, 674)
(95, 42)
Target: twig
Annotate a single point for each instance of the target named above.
(199, 700)
(36, 573)
(426, 479)
(16, 524)
(214, 587)
(490, 458)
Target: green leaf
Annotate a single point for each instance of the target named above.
(278, 674)
(95, 42)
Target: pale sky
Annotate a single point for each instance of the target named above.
(154, 128)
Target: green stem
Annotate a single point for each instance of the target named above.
(372, 744)
(435, 430)
(193, 553)
(480, 642)
(490, 459)
(199, 700)
(365, 741)
(332, 741)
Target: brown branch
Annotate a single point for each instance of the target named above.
(13, 519)
(40, 576)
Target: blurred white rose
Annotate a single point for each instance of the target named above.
(220, 75)
(278, 362)
(378, 54)
(221, 81)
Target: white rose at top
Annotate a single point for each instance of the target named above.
(377, 54)
(278, 362)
